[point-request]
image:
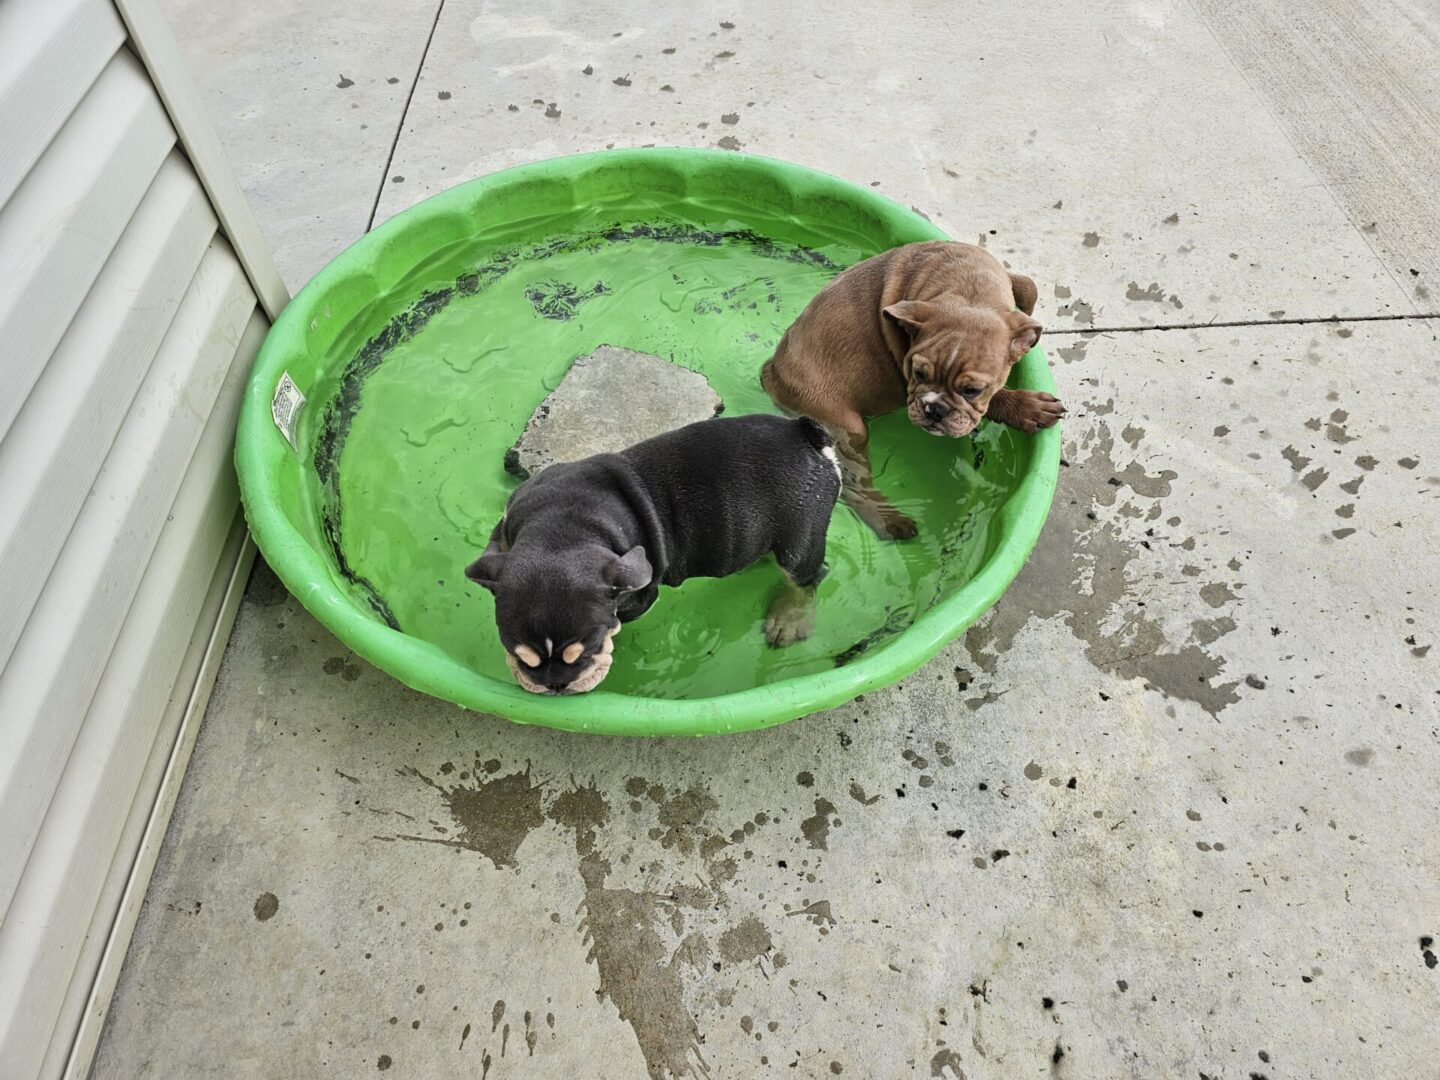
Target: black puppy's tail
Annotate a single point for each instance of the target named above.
(815, 434)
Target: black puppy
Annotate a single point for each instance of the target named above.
(586, 545)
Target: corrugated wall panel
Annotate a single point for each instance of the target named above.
(50, 53)
(55, 447)
(42, 937)
(102, 953)
(59, 227)
(52, 673)
(128, 324)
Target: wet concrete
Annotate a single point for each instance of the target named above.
(1168, 810)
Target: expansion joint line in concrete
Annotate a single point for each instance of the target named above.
(1214, 324)
(399, 127)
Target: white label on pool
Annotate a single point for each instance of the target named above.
(285, 407)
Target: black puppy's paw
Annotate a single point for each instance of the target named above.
(791, 618)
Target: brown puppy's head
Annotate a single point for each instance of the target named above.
(958, 357)
(556, 610)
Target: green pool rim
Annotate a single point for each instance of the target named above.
(261, 451)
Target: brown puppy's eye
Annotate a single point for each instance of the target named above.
(921, 371)
(972, 391)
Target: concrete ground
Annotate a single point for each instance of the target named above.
(1168, 811)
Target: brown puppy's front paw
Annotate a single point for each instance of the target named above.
(1028, 410)
(896, 526)
(872, 508)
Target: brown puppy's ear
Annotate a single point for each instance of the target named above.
(628, 572)
(1024, 333)
(910, 314)
(1025, 293)
(485, 570)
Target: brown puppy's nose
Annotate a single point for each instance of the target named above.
(935, 411)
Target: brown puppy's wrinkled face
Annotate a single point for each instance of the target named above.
(959, 357)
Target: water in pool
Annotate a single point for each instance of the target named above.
(412, 441)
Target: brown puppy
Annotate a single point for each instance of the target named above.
(930, 326)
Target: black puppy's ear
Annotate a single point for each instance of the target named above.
(1024, 333)
(909, 314)
(628, 572)
(486, 569)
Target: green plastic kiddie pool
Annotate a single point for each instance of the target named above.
(423, 349)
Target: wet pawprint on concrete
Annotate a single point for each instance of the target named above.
(1152, 294)
(816, 828)
(1336, 430)
(945, 1063)
(346, 668)
(1081, 311)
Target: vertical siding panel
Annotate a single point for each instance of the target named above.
(87, 1002)
(59, 228)
(46, 687)
(131, 271)
(40, 940)
(51, 455)
(50, 53)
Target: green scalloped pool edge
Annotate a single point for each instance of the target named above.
(260, 450)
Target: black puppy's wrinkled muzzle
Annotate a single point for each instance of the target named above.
(559, 683)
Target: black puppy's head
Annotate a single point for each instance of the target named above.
(555, 610)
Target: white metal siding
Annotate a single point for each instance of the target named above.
(50, 55)
(80, 399)
(129, 324)
(64, 219)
